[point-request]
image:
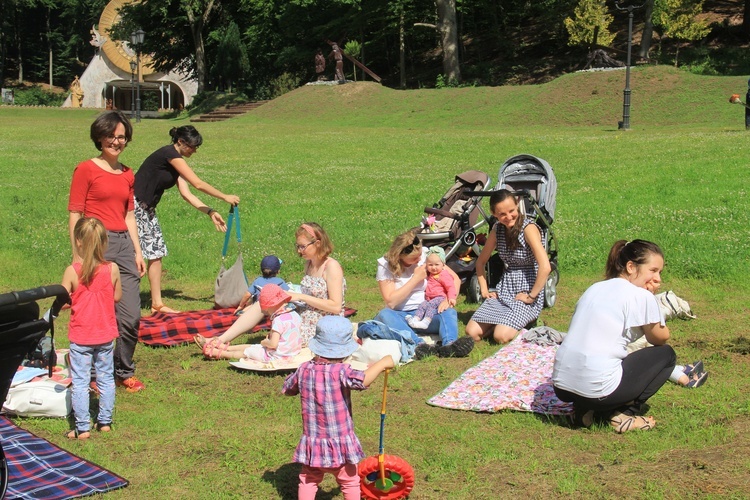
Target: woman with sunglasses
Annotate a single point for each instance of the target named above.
(402, 279)
(164, 168)
(102, 187)
(322, 291)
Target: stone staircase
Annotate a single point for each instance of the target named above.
(227, 112)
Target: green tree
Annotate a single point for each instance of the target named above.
(678, 19)
(590, 16)
(231, 63)
(175, 33)
(353, 49)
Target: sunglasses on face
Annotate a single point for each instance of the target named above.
(410, 248)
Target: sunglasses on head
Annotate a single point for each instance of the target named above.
(410, 248)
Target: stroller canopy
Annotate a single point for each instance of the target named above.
(533, 174)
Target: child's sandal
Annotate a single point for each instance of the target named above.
(214, 349)
(76, 434)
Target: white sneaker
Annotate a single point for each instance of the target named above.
(412, 321)
(419, 324)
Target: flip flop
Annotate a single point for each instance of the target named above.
(697, 380)
(695, 367)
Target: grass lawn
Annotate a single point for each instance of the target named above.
(363, 161)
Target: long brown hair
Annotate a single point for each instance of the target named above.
(622, 252)
(92, 240)
(512, 233)
(400, 248)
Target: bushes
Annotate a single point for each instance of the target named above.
(36, 96)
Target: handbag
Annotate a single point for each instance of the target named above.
(231, 284)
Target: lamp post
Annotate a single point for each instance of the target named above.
(136, 39)
(625, 123)
(132, 89)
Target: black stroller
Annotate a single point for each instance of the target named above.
(21, 329)
(457, 217)
(534, 181)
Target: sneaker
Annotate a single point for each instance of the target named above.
(131, 384)
(458, 349)
(424, 349)
(419, 324)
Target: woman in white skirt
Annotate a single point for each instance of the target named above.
(520, 296)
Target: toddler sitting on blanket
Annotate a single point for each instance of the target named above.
(269, 268)
(284, 341)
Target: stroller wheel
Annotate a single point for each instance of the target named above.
(550, 288)
(473, 292)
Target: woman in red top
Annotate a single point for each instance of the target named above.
(102, 187)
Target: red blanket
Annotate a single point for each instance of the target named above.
(171, 329)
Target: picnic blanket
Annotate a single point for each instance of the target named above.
(517, 377)
(171, 329)
(39, 469)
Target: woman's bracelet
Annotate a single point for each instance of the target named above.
(210, 211)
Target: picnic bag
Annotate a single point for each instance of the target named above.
(45, 398)
(231, 284)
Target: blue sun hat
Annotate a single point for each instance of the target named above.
(333, 338)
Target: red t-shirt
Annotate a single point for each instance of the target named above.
(101, 194)
(92, 312)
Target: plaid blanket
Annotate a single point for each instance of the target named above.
(166, 329)
(39, 469)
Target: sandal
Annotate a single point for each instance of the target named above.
(624, 422)
(76, 434)
(102, 427)
(161, 308)
(210, 349)
(697, 380)
(695, 367)
(200, 340)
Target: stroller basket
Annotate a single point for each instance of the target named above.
(20, 332)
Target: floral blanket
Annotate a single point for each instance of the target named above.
(517, 377)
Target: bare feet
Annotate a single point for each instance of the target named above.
(74, 434)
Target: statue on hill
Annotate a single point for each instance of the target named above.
(320, 65)
(339, 58)
(598, 58)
